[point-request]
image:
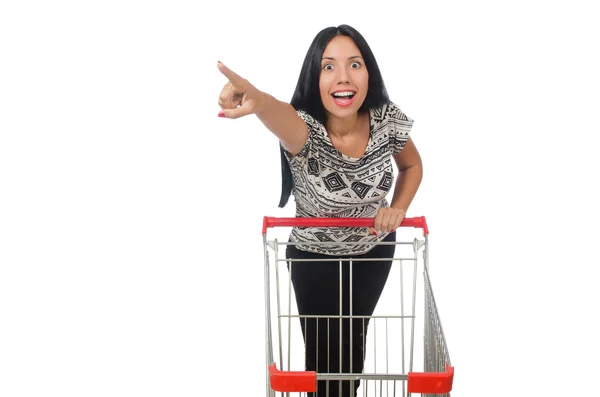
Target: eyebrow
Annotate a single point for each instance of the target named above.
(352, 57)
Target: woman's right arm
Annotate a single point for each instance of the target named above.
(240, 98)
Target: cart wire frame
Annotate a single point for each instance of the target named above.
(438, 374)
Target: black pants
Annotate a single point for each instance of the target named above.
(317, 290)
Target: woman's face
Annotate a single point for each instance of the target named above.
(344, 79)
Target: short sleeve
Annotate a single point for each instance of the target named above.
(399, 127)
(314, 132)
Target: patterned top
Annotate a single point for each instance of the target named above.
(328, 183)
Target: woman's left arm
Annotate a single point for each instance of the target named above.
(410, 174)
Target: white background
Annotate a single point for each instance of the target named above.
(130, 214)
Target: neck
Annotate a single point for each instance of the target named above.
(342, 127)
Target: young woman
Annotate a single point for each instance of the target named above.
(338, 139)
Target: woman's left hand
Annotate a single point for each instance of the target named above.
(387, 220)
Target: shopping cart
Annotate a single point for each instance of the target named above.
(388, 339)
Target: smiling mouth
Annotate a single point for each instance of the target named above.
(343, 94)
(343, 98)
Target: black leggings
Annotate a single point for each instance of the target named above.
(316, 286)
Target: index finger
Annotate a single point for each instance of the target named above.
(230, 74)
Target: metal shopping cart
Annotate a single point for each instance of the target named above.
(387, 343)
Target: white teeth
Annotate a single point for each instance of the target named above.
(343, 93)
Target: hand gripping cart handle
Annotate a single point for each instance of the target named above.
(382, 378)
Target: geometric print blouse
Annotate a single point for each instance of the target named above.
(328, 183)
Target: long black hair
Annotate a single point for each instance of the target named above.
(307, 96)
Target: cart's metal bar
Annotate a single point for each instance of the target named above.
(290, 312)
(387, 355)
(317, 348)
(364, 334)
(276, 253)
(413, 310)
(340, 326)
(335, 259)
(426, 253)
(344, 316)
(269, 346)
(325, 243)
(328, 356)
(351, 326)
(402, 325)
(375, 350)
(426, 316)
(305, 336)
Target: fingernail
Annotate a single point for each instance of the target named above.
(221, 114)
(375, 233)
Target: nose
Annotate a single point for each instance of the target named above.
(343, 76)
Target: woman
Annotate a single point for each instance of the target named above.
(338, 138)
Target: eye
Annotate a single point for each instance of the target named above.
(328, 66)
(355, 65)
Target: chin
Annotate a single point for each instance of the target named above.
(341, 111)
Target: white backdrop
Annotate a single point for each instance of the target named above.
(130, 214)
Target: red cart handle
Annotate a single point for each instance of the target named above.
(416, 222)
